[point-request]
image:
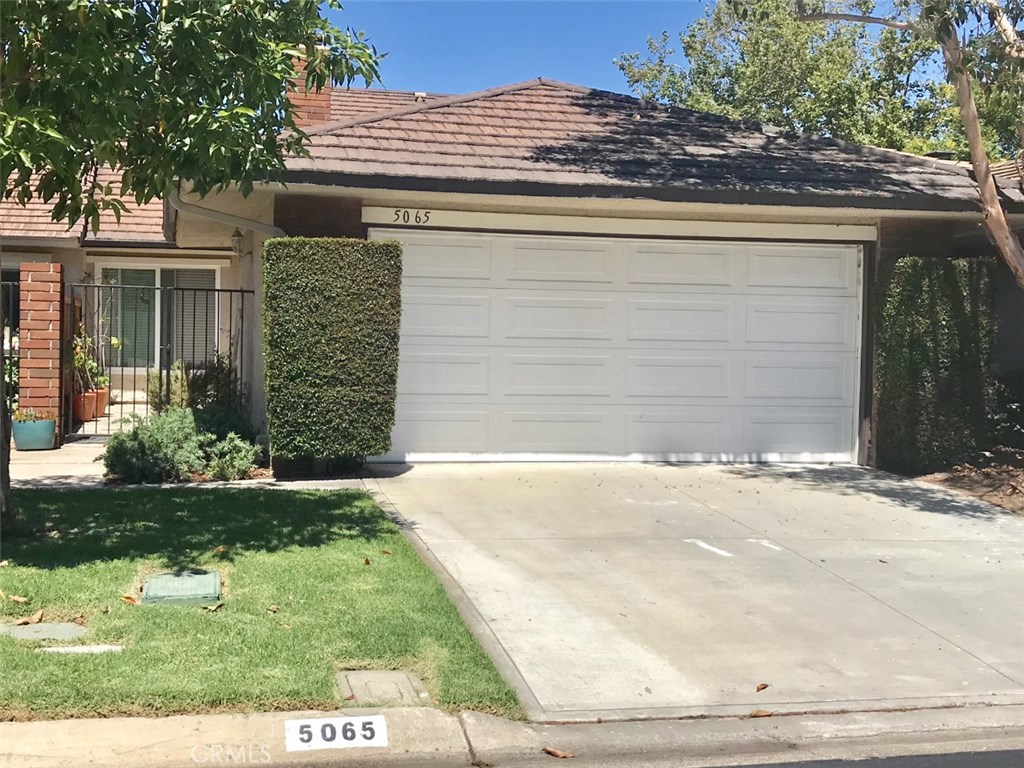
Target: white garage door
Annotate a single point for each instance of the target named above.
(533, 347)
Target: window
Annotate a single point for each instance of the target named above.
(149, 324)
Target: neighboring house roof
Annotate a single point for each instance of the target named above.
(32, 221)
(347, 103)
(140, 223)
(1013, 170)
(549, 138)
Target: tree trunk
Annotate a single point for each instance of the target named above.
(995, 217)
(6, 508)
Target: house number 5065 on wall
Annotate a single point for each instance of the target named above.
(408, 216)
(335, 733)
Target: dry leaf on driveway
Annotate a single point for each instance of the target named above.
(761, 713)
(761, 687)
(557, 752)
(35, 618)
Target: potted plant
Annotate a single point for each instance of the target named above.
(83, 402)
(33, 430)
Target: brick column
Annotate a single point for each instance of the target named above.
(39, 337)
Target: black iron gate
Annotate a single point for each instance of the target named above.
(10, 295)
(135, 349)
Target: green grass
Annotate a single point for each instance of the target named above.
(303, 552)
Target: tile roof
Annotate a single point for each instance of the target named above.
(353, 102)
(33, 221)
(546, 137)
(140, 223)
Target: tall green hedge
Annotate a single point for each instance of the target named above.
(934, 384)
(331, 314)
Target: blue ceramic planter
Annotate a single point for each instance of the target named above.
(34, 435)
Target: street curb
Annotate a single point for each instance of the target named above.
(498, 742)
(420, 736)
(417, 736)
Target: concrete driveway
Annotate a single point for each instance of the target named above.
(622, 591)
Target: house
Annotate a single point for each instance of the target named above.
(590, 276)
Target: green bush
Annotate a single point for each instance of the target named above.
(332, 309)
(169, 447)
(934, 386)
(164, 448)
(232, 458)
(213, 390)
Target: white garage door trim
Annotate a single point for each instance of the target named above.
(569, 348)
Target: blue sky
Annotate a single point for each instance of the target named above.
(467, 45)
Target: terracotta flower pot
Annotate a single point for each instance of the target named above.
(83, 406)
(102, 400)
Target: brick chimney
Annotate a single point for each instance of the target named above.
(310, 108)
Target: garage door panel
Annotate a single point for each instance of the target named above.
(675, 377)
(445, 315)
(805, 267)
(559, 260)
(443, 373)
(660, 320)
(440, 430)
(794, 322)
(796, 433)
(797, 379)
(669, 433)
(561, 375)
(559, 431)
(558, 318)
(447, 257)
(687, 264)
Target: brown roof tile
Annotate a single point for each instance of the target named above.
(139, 223)
(354, 102)
(543, 132)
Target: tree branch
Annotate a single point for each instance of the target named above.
(857, 18)
(1014, 44)
(995, 217)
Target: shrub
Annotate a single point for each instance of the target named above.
(934, 386)
(166, 447)
(213, 390)
(331, 319)
(232, 458)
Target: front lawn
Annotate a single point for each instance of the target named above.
(300, 602)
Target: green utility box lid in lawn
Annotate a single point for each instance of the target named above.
(193, 587)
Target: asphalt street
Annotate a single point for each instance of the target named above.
(1005, 759)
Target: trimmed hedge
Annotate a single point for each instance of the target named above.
(331, 314)
(934, 384)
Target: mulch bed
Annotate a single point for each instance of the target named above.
(995, 476)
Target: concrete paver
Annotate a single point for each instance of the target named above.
(651, 590)
(73, 465)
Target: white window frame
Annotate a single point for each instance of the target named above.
(217, 265)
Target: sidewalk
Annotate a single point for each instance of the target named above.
(421, 736)
(72, 465)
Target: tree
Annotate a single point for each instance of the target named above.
(880, 85)
(158, 90)
(981, 44)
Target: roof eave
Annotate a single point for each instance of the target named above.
(661, 194)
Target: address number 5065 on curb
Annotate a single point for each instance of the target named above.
(335, 733)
